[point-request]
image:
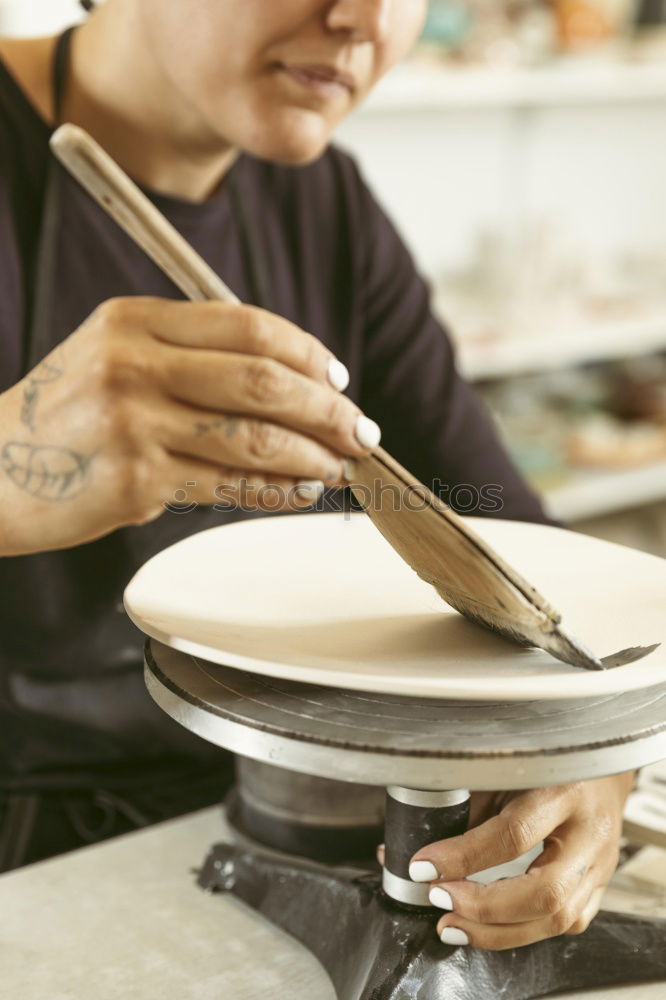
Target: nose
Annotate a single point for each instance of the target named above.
(362, 20)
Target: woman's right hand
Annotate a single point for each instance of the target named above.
(152, 401)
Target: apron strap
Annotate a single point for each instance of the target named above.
(39, 312)
(61, 58)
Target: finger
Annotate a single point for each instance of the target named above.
(551, 881)
(589, 912)
(246, 443)
(245, 330)
(263, 387)
(381, 854)
(484, 805)
(456, 930)
(190, 483)
(522, 824)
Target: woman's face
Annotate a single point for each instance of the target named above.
(275, 77)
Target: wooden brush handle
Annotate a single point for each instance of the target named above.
(118, 195)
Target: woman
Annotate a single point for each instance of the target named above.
(117, 400)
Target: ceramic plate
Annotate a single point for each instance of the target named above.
(324, 599)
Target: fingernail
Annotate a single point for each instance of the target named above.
(338, 375)
(348, 470)
(310, 489)
(422, 871)
(368, 433)
(441, 898)
(453, 935)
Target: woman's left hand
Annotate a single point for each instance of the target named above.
(580, 826)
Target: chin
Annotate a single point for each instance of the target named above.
(292, 139)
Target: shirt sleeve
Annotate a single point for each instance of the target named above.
(432, 420)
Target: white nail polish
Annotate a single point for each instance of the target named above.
(441, 898)
(348, 470)
(453, 935)
(422, 871)
(368, 433)
(310, 489)
(338, 375)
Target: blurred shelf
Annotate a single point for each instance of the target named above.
(593, 494)
(413, 87)
(602, 342)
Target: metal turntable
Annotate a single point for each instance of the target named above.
(302, 746)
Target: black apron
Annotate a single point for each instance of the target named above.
(101, 784)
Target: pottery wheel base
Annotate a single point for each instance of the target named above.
(374, 950)
(372, 947)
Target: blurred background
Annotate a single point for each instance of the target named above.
(522, 151)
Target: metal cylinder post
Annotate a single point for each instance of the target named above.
(415, 818)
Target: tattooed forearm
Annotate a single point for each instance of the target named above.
(227, 424)
(48, 371)
(48, 473)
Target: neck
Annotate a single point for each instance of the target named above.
(122, 97)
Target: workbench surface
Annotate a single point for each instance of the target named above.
(125, 919)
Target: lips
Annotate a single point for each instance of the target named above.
(320, 74)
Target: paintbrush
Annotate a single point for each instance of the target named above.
(430, 537)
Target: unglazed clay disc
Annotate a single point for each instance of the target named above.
(324, 599)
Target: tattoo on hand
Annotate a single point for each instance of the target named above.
(29, 405)
(228, 424)
(49, 370)
(48, 473)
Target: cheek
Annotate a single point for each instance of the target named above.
(201, 47)
(408, 19)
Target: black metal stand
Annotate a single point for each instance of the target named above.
(374, 949)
